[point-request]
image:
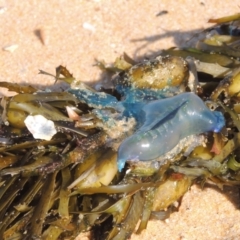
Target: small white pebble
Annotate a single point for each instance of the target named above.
(176, 204)
(3, 10)
(88, 26)
(167, 220)
(10, 48)
(113, 45)
(40, 127)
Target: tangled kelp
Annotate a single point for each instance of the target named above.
(59, 150)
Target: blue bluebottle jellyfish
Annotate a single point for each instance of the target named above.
(164, 123)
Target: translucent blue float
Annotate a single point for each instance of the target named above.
(164, 123)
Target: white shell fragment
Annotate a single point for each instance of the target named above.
(40, 127)
(10, 48)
